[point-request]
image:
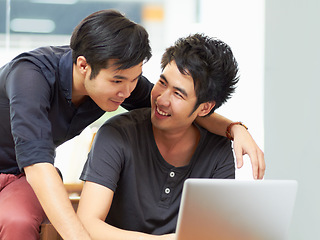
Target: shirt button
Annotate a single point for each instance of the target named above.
(167, 190)
(172, 174)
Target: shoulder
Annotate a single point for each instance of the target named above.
(43, 57)
(121, 133)
(213, 141)
(129, 119)
(126, 125)
(41, 61)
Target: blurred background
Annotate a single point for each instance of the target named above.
(276, 44)
(27, 24)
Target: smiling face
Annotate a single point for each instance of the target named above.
(111, 86)
(173, 99)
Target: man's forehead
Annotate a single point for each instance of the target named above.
(172, 69)
(183, 69)
(131, 73)
(114, 64)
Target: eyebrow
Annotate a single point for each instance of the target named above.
(177, 88)
(125, 78)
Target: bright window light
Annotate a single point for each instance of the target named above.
(32, 25)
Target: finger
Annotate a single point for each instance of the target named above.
(262, 165)
(239, 156)
(254, 163)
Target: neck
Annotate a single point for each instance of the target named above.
(177, 148)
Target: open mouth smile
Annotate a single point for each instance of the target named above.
(161, 112)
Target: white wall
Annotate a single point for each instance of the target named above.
(292, 101)
(241, 25)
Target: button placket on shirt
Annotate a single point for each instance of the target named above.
(172, 174)
(168, 191)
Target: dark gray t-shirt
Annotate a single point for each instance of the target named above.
(147, 190)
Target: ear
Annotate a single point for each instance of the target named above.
(82, 64)
(205, 108)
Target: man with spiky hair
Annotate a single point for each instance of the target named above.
(139, 160)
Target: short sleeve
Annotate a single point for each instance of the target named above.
(106, 158)
(225, 167)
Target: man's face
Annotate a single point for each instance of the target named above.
(111, 86)
(172, 100)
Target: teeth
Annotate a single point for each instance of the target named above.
(162, 113)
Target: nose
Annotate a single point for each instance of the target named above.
(125, 91)
(163, 99)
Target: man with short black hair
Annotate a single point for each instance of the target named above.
(48, 96)
(139, 160)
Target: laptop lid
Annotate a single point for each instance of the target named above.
(226, 209)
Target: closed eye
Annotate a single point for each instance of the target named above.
(163, 83)
(179, 95)
(116, 81)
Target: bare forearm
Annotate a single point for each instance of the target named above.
(53, 197)
(214, 123)
(93, 209)
(100, 230)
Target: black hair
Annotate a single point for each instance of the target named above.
(107, 34)
(211, 64)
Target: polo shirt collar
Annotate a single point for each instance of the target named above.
(65, 74)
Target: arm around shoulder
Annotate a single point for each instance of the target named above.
(243, 142)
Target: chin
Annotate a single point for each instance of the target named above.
(110, 109)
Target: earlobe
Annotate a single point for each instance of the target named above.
(206, 108)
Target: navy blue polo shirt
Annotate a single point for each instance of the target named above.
(36, 112)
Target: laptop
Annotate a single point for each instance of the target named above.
(228, 209)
